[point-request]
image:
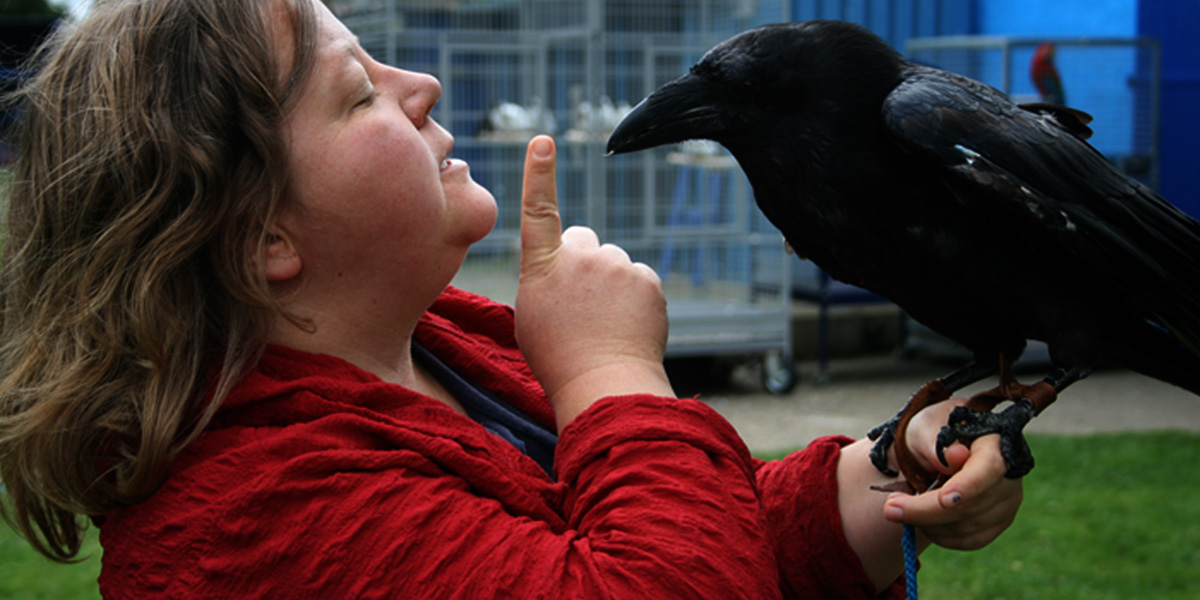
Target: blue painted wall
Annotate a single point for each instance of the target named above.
(1059, 18)
(1176, 24)
(894, 20)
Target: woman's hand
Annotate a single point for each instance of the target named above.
(976, 504)
(591, 322)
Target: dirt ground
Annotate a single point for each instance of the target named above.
(859, 393)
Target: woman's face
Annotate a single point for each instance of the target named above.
(375, 201)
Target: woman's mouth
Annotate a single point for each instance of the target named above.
(451, 165)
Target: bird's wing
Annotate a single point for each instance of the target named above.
(1073, 120)
(999, 158)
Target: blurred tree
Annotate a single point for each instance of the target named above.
(30, 7)
(23, 25)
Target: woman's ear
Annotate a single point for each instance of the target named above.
(282, 261)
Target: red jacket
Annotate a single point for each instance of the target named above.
(318, 480)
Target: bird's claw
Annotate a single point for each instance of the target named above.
(966, 425)
(884, 436)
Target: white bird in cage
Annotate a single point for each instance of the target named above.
(602, 118)
(541, 119)
(509, 116)
(512, 120)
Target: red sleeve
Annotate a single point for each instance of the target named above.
(799, 495)
(639, 474)
(656, 497)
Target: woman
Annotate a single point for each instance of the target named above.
(229, 341)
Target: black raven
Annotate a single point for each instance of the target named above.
(989, 222)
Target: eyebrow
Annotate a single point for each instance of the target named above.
(352, 49)
(340, 58)
(351, 45)
(347, 47)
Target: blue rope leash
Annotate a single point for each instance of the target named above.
(909, 543)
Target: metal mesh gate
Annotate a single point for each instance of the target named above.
(512, 69)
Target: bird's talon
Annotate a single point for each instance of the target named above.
(967, 425)
(884, 435)
(879, 430)
(879, 456)
(940, 447)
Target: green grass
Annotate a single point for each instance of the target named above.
(27, 575)
(1106, 516)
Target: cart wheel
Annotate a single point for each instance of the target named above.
(779, 373)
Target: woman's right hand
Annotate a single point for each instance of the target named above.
(591, 322)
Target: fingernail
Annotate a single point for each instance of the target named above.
(542, 148)
(953, 497)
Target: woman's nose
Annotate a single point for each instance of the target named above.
(420, 92)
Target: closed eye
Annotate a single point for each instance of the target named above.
(368, 99)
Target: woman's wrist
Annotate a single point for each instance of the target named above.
(618, 379)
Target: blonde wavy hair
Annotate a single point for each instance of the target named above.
(151, 161)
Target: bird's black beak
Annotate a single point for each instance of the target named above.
(678, 111)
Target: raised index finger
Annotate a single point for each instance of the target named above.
(541, 227)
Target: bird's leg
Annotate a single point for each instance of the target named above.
(974, 420)
(894, 430)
